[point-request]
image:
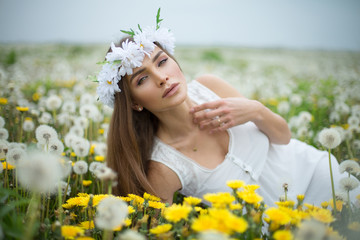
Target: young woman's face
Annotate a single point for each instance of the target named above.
(159, 84)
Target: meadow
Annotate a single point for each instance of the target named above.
(54, 182)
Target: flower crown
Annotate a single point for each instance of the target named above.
(121, 60)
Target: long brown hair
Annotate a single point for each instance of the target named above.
(130, 141)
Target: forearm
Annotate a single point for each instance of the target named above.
(273, 125)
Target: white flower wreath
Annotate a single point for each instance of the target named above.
(121, 60)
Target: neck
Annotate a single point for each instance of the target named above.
(177, 122)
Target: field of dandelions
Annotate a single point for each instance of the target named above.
(54, 182)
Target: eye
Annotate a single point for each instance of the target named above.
(139, 82)
(162, 62)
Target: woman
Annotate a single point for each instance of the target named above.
(166, 135)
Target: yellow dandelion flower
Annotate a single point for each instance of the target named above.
(251, 187)
(72, 154)
(176, 212)
(99, 158)
(201, 210)
(283, 235)
(236, 224)
(219, 199)
(300, 197)
(36, 97)
(137, 200)
(287, 204)
(358, 197)
(7, 166)
(22, 109)
(278, 216)
(310, 207)
(273, 102)
(160, 229)
(126, 199)
(3, 101)
(28, 119)
(85, 238)
(131, 209)
(70, 232)
(354, 226)
(92, 149)
(236, 206)
(339, 205)
(157, 205)
(73, 216)
(192, 201)
(126, 223)
(97, 198)
(322, 215)
(235, 184)
(101, 131)
(324, 204)
(150, 197)
(250, 197)
(204, 223)
(87, 224)
(86, 182)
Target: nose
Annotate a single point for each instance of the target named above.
(162, 78)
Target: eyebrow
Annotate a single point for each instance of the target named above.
(143, 69)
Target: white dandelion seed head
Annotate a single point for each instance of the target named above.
(95, 165)
(69, 106)
(77, 131)
(130, 235)
(310, 230)
(303, 131)
(82, 122)
(305, 117)
(323, 102)
(348, 184)
(13, 145)
(356, 144)
(100, 148)
(329, 138)
(334, 117)
(56, 146)
(98, 117)
(70, 138)
(296, 100)
(349, 166)
(348, 135)
(39, 172)
(111, 212)
(15, 156)
(4, 134)
(28, 126)
(80, 167)
(81, 147)
(88, 111)
(4, 147)
(35, 112)
(45, 118)
(2, 122)
(65, 167)
(87, 98)
(107, 110)
(45, 133)
(283, 107)
(353, 120)
(64, 118)
(63, 187)
(342, 108)
(105, 173)
(53, 102)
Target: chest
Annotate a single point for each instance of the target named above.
(208, 150)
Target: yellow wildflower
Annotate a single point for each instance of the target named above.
(250, 197)
(72, 154)
(322, 215)
(84, 238)
(300, 197)
(73, 216)
(192, 201)
(236, 224)
(150, 197)
(97, 198)
(176, 212)
(251, 187)
(99, 158)
(160, 229)
(354, 226)
(131, 209)
(36, 96)
(70, 232)
(273, 102)
(236, 206)
(101, 131)
(22, 109)
(126, 223)
(339, 205)
(157, 205)
(92, 149)
(288, 204)
(7, 166)
(86, 182)
(278, 216)
(219, 199)
(324, 204)
(87, 224)
(201, 210)
(310, 206)
(283, 235)
(235, 184)
(3, 101)
(204, 222)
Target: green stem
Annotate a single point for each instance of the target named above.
(32, 214)
(21, 125)
(332, 183)
(60, 209)
(349, 149)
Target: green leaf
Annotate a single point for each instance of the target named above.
(103, 62)
(93, 78)
(131, 32)
(158, 20)
(139, 28)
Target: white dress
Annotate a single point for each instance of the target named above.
(253, 159)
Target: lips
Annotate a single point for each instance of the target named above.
(170, 90)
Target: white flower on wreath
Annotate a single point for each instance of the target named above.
(166, 39)
(132, 57)
(145, 40)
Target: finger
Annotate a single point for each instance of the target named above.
(207, 115)
(222, 127)
(208, 105)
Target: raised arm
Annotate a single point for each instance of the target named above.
(234, 109)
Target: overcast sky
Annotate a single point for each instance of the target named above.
(314, 24)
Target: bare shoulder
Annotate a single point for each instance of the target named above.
(219, 86)
(164, 180)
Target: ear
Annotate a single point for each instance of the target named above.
(137, 107)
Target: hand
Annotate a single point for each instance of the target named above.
(225, 113)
